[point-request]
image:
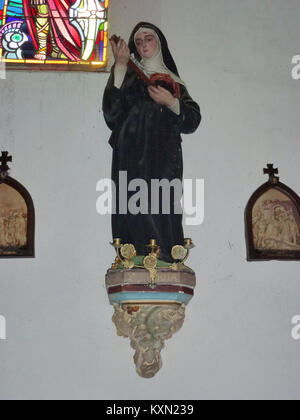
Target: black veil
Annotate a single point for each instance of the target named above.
(167, 57)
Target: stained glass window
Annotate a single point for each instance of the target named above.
(54, 34)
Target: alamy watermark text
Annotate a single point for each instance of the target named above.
(296, 328)
(2, 328)
(160, 196)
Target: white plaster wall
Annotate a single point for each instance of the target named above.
(235, 57)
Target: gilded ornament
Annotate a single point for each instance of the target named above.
(178, 252)
(150, 261)
(128, 264)
(128, 251)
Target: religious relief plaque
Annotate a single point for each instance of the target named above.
(16, 215)
(273, 221)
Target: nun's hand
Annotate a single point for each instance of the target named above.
(121, 52)
(161, 96)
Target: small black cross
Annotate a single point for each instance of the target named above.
(4, 159)
(271, 171)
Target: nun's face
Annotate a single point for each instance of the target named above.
(146, 44)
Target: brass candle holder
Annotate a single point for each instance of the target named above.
(181, 253)
(150, 261)
(155, 249)
(127, 251)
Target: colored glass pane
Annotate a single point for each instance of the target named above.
(39, 34)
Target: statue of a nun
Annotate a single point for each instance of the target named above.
(146, 123)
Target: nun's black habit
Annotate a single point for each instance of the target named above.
(146, 143)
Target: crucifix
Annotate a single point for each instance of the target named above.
(4, 159)
(271, 171)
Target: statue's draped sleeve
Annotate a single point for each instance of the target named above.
(189, 118)
(113, 104)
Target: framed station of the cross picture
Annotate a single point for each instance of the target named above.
(273, 221)
(17, 216)
(54, 35)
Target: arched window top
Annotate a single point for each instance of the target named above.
(16, 215)
(272, 219)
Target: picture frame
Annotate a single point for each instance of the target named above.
(17, 216)
(272, 221)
